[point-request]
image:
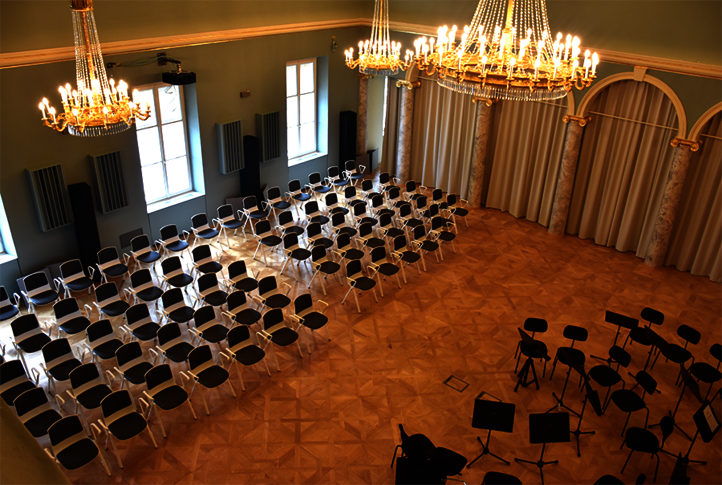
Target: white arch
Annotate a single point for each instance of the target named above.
(681, 116)
(694, 133)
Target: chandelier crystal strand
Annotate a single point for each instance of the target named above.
(97, 107)
(379, 55)
(507, 53)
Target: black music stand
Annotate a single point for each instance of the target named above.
(688, 382)
(547, 428)
(560, 399)
(708, 426)
(492, 416)
(537, 352)
(621, 321)
(591, 396)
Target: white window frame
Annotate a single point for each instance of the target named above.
(302, 157)
(157, 127)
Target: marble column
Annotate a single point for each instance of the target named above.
(567, 171)
(670, 201)
(406, 119)
(362, 118)
(481, 142)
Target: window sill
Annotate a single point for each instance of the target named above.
(7, 257)
(305, 158)
(179, 199)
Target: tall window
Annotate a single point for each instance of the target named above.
(301, 107)
(163, 143)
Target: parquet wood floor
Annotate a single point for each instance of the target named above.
(332, 416)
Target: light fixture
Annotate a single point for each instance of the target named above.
(379, 55)
(97, 107)
(507, 53)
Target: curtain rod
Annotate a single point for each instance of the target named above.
(633, 121)
(711, 136)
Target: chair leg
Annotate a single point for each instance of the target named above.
(102, 460)
(266, 364)
(626, 422)
(625, 463)
(205, 404)
(656, 469)
(115, 450)
(381, 288)
(308, 342)
(160, 422)
(375, 297)
(240, 377)
(233, 391)
(403, 273)
(275, 357)
(193, 411)
(152, 438)
(300, 352)
(328, 333)
(355, 295)
(398, 280)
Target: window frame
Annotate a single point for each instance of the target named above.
(301, 157)
(158, 127)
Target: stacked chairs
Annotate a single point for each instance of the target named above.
(276, 201)
(121, 420)
(227, 221)
(163, 392)
(28, 336)
(174, 307)
(110, 265)
(202, 229)
(73, 278)
(38, 291)
(69, 318)
(316, 186)
(243, 350)
(204, 371)
(8, 308)
(172, 241)
(307, 316)
(59, 361)
(143, 252)
(173, 273)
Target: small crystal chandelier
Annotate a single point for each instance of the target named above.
(507, 53)
(379, 55)
(97, 107)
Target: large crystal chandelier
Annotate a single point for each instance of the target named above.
(379, 55)
(507, 53)
(97, 107)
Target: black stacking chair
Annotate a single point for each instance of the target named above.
(449, 463)
(108, 300)
(644, 335)
(227, 221)
(704, 372)
(387, 228)
(242, 349)
(606, 375)
(287, 224)
(345, 250)
(403, 256)
(315, 237)
(293, 252)
(101, 340)
(14, 381)
(394, 199)
(297, 194)
(416, 447)
(139, 325)
(171, 240)
(276, 201)
(378, 207)
(266, 238)
(643, 440)
(306, 316)
(357, 281)
(132, 365)
(313, 213)
(35, 412)
(498, 478)
(173, 273)
(386, 182)
(69, 318)
(360, 215)
(163, 392)
(208, 291)
(204, 371)
(271, 296)
(171, 344)
(440, 236)
(8, 308)
(570, 356)
(238, 278)
(437, 197)
(407, 219)
(336, 178)
(332, 205)
(412, 191)
(276, 332)
(28, 336)
(316, 184)
(240, 311)
(367, 190)
(535, 326)
(87, 389)
(457, 207)
(621, 321)
(174, 307)
(368, 238)
(338, 223)
(38, 291)
(423, 244)
(58, 361)
(143, 288)
(203, 260)
(255, 211)
(353, 172)
(71, 446)
(143, 252)
(110, 265)
(380, 265)
(203, 230)
(629, 401)
(121, 420)
(207, 327)
(350, 197)
(674, 352)
(73, 278)
(321, 264)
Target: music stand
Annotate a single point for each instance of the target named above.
(547, 428)
(536, 353)
(708, 426)
(492, 416)
(560, 399)
(591, 396)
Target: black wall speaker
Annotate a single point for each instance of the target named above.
(347, 137)
(251, 173)
(86, 225)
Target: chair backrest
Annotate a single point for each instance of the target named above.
(99, 332)
(84, 376)
(359, 210)
(225, 212)
(139, 243)
(433, 211)
(290, 240)
(410, 186)
(36, 283)
(284, 218)
(294, 185)
(302, 302)
(263, 228)
(171, 265)
(31, 400)
(367, 185)
(394, 193)
(267, 284)
(366, 229)
(377, 201)
(106, 293)
(207, 282)
(138, 315)
(56, 352)
(620, 356)
(4, 297)
(311, 207)
(272, 318)
(273, 193)
(451, 199)
(141, 279)
(318, 253)
(416, 446)
(11, 370)
(168, 333)
(350, 165)
(689, 334)
(314, 178)
(349, 193)
(159, 376)
(333, 171)
(172, 297)
(419, 232)
(236, 269)
(716, 351)
(385, 220)
(338, 219)
(238, 335)
(25, 326)
(437, 222)
(331, 199)
(576, 334)
(199, 221)
(313, 230)
(621, 320)
(378, 254)
(343, 240)
(250, 202)
(437, 195)
(652, 316)
(203, 316)
(535, 325)
(70, 429)
(169, 233)
(646, 382)
(353, 268)
(128, 353)
(400, 243)
(66, 309)
(107, 255)
(384, 178)
(404, 210)
(116, 405)
(73, 269)
(236, 299)
(421, 202)
(201, 253)
(200, 357)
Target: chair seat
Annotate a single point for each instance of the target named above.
(247, 316)
(628, 401)
(271, 241)
(277, 301)
(12, 393)
(44, 298)
(210, 267)
(38, 425)
(535, 350)
(393, 232)
(107, 349)
(170, 398)
(369, 220)
(340, 183)
(182, 314)
(357, 176)
(214, 334)
(410, 257)
(284, 337)
(250, 355)
(451, 462)
(429, 246)
(705, 372)
(320, 219)
(390, 212)
(641, 335)
(33, 343)
(213, 376)
(460, 211)
(128, 426)
(374, 243)
(177, 246)
(149, 257)
(150, 294)
(246, 285)
(62, 371)
(412, 223)
(181, 280)
(136, 374)
(315, 320)
(363, 283)
(207, 233)
(347, 230)
(352, 254)
(640, 439)
(388, 269)
(7, 312)
(302, 197)
(217, 298)
(116, 270)
(281, 205)
(233, 224)
(329, 267)
(497, 478)
(75, 325)
(604, 375)
(569, 356)
(82, 283)
(300, 254)
(258, 214)
(91, 398)
(339, 210)
(447, 236)
(297, 230)
(115, 308)
(78, 454)
(146, 332)
(676, 353)
(321, 189)
(323, 241)
(179, 352)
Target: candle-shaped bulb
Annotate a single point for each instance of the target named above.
(135, 96)
(105, 110)
(576, 41)
(63, 94)
(41, 106)
(45, 101)
(75, 112)
(595, 61)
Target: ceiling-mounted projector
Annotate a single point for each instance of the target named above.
(179, 78)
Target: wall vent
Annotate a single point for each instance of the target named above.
(51, 197)
(230, 146)
(268, 129)
(110, 181)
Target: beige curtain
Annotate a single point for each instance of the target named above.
(696, 240)
(526, 158)
(442, 140)
(623, 166)
(391, 134)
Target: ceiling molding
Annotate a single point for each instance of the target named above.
(45, 56)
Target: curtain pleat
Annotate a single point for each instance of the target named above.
(526, 157)
(623, 166)
(391, 135)
(695, 244)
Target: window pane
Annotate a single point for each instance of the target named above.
(292, 142)
(291, 80)
(307, 78)
(149, 146)
(170, 103)
(292, 112)
(153, 182)
(308, 138)
(146, 96)
(174, 140)
(178, 179)
(308, 108)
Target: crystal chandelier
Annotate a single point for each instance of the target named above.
(379, 55)
(97, 107)
(507, 53)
